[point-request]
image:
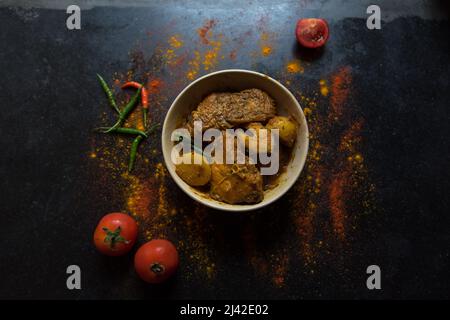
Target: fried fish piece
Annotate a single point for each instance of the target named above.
(225, 110)
(236, 183)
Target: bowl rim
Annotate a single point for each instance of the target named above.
(214, 204)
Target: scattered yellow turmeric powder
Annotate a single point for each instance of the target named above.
(194, 66)
(265, 44)
(266, 50)
(175, 41)
(294, 67)
(210, 58)
(323, 87)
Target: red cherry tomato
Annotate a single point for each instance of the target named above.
(115, 234)
(312, 32)
(156, 261)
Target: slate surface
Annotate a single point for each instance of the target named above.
(48, 87)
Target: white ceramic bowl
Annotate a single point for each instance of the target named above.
(237, 80)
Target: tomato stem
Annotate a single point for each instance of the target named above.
(157, 268)
(113, 237)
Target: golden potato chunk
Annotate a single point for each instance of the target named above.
(194, 174)
(287, 127)
(263, 143)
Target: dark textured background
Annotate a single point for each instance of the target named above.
(47, 88)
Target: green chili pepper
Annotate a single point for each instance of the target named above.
(108, 93)
(127, 110)
(145, 113)
(133, 152)
(123, 130)
(135, 146)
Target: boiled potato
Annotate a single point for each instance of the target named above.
(287, 127)
(264, 146)
(194, 174)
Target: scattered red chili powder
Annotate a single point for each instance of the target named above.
(208, 55)
(204, 31)
(154, 85)
(337, 203)
(351, 137)
(346, 180)
(280, 269)
(233, 55)
(340, 90)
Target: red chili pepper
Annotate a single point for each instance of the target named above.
(144, 97)
(131, 84)
(144, 93)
